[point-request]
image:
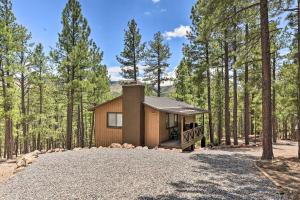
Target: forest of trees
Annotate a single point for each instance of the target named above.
(45, 98)
(241, 62)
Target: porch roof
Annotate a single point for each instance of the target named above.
(168, 105)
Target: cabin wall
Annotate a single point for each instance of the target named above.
(104, 136)
(151, 127)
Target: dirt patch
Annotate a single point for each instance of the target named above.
(6, 171)
(284, 173)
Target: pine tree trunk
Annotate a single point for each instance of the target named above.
(82, 122)
(220, 108)
(266, 84)
(8, 120)
(235, 105)
(227, 98)
(274, 120)
(17, 141)
(78, 126)
(41, 110)
(23, 112)
(92, 129)
(247, 121)
(210, 127)
(298, 79)
(158, 81)
(235, 94)
(70, 119)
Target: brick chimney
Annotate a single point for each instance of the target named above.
(133, 114)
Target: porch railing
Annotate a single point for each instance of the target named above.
(191, 136)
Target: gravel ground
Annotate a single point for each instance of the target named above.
(140, 174)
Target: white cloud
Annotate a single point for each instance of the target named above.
(155, 1)
(180, 31)
(147, 13)
(114, 72)
(163, 10)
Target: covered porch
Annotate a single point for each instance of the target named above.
(188, 130)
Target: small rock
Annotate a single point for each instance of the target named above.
(43, 151)
(93, 148)
(50, 151)
(37, 152)
(77, 149)
(29, 159)
(18, 169)
(145, 147)
(32, 154)
(100, 147)
(127, 146)
(21, 162)
(57, 150)
(115, 145)
(139, 147)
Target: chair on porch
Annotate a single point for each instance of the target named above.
(174, 133)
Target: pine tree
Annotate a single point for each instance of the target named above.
(23, 59)
(157, 55)
(9, 45)
(266, 91)
(40, 68)
(183, 82)
(70, 55)
(133, 52)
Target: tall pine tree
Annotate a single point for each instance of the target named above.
(157, 56)
(133, 52)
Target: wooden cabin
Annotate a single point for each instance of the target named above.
(151, 121)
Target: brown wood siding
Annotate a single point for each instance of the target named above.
(105, 136)
(163, 131)
(151, 127)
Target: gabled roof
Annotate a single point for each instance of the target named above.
(106, 102)
(165, 104)
(172, 106)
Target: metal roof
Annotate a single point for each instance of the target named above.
(172, 106)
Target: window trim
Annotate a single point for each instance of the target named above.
(107, 118)
(168, 120)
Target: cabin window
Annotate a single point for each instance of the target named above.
(114, 120)
(172, 120)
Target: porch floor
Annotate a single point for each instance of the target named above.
(171, 144)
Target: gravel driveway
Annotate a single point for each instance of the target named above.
(140, 174)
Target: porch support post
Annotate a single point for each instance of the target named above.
(181, 130)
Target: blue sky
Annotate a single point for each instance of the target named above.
(108, 19)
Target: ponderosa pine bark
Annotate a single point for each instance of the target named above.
(92, 129)
(235, 100)
(210, 128)
(227, 98)
(298, 55)
(266, 82)
(247, 121)
(274, 119)
(23, 112)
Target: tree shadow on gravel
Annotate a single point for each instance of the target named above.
(225, 177)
